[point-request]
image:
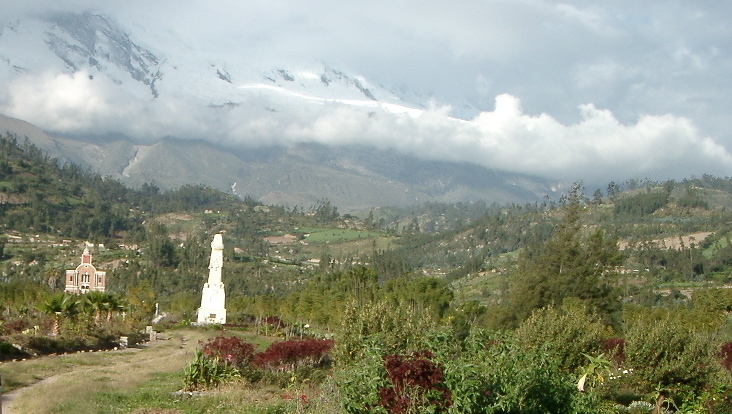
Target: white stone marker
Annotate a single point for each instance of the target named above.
(213, 299)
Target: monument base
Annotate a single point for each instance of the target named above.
(213, 304)
(211, 316)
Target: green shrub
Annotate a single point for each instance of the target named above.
(206, 372)
(392, 329)
(528, 381)
(489, 372)
(641, 204)
(359, 381)
(674, 357)
(466, 370)
(566, 333)
(44, 345)
(8, 351)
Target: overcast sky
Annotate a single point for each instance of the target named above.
(573, 89)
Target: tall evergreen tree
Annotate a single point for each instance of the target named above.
(569, 264)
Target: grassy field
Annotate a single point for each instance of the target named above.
(69, 383)
(144, 380)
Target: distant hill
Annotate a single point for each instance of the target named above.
(352, 178)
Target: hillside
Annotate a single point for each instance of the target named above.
(354, 178)
(471, 245)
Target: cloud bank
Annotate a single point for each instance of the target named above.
(597, 148)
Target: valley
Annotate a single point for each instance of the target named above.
(562, 278)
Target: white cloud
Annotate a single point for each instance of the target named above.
(597, 148)
(68, 103)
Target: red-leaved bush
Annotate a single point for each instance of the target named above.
(290, 355)
(15, 326)
(416, 381)
(726, 354)
(230, 350)
(615, 349)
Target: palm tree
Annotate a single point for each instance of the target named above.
(96, 302)
(57, 305)
(114, 304)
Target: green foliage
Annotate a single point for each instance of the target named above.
(324, 298)
(206, 372)
(714, 400)
(568, 265)
(59, 305)
(428, 294)
(670, 355)
(8, 351)
(324, 212)
(595, 372)
(141, 299)
(360, 380)
(528, 380)
(567, 333)
(466, 374)
(486, 373)
(711, 307)
(102, 305)
(641, 204)
(692, 199)
(390, 329)
(18, 297)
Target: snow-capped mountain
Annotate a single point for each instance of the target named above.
(126, 103)
(69, 43)
(96, 45)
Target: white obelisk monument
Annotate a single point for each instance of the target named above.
(213, 306)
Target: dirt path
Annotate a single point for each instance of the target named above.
(8, 399)
(159, 356)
